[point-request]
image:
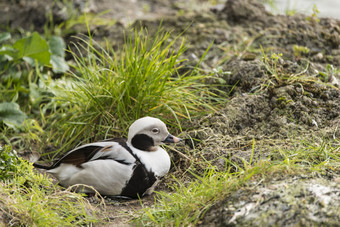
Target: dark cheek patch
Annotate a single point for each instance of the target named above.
(143, 142)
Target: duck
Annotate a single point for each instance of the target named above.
(128, 168)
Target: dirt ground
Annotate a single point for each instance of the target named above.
(276, 112)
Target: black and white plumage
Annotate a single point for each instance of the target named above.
(120, 167)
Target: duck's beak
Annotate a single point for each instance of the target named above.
(171, 139)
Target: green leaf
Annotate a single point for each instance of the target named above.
(57, 48)
(11, 114)
(9, 52)
(5, 36)
(34, 47)
(59, 65)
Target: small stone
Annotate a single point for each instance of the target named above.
(248, 56)
(299, 90)
(319, 56)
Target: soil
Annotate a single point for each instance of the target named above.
(300, 103)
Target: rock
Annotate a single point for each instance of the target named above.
(285, 202)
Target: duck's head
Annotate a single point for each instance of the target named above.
(148, 132)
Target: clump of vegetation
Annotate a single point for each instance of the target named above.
(8, 163)
(25, 66)
(300, 50)
(279, 76)
(314, 16)
(110, 89)
(329, 73)
(30, 198)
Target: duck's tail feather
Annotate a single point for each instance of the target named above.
(36, 165)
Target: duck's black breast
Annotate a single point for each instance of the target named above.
(141, 179)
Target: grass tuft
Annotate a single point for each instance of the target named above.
(317, 156)
(110, 89)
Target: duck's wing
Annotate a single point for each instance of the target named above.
(79, 155)
(114, 149)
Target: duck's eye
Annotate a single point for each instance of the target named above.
(155, 130)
